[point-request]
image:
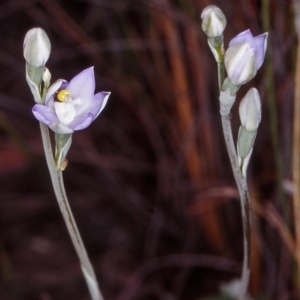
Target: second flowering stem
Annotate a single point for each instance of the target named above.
(245, 203)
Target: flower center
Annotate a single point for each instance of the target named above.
(63, 96)
(64, 107)
(65, 112)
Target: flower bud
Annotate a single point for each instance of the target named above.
(250, 110)
(213, 21)
(245, 142)
(46, 78)
(36, 47)
(245, 56)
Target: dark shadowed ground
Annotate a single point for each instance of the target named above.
(149, 181)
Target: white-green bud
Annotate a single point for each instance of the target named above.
(245, 144)
(250, 110)
(213, 21)
(245, 141)
(36, 47)
(46, 78)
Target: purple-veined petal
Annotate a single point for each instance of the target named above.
(60, 128)
(243, 37)
(44, 114)
(82, 122)
(83, 85)
(240, 63)
(98, 103)
(244, 56)
(260, 48)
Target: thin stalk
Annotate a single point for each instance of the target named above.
(242, 188)
(221, 74)
(60, 193)
(245, 204)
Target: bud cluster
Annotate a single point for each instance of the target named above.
(242, 59)
(245, 53)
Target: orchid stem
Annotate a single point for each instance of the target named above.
(245, 204)
(221, 67)
(221, 75)
(60, 193)
(243, 191)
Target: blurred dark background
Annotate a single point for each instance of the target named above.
(149, 182)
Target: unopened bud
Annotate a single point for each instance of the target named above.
(36, 47)
(213, 21)
(46, 78)
(250, 110)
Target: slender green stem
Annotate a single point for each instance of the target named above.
(60, 193)
(221, 68)
(245, 204)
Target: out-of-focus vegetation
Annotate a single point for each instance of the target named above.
(150, 181)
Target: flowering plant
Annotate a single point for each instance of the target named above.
(64, 107)
(71, 106)
(242, 59)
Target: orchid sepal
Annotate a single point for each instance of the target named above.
(33, 78)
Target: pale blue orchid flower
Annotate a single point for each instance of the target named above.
(71, 106)
(244, 56)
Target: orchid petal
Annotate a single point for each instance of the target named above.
(240, 63)
(98, 103)
(44, 114)
(82, 122)
(260, 46)
(83, 85)
(243, 37)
